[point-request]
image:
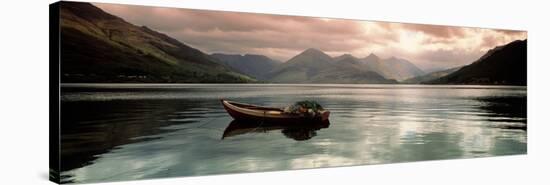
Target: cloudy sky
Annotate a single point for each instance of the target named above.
(282, 37)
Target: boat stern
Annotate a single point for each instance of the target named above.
(324, 115)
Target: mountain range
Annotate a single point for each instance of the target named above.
(393, 67)
(256, 66)
(314, 66)
(99, 47)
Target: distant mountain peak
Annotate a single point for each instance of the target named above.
(313, 51)
(372, 57)
(345, 56)
(311, 55)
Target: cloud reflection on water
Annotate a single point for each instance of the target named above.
(369, 125)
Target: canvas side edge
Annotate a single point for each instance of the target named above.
(54, 93)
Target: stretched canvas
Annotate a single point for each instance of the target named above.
(140, 92)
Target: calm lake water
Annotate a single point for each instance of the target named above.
(116, 132)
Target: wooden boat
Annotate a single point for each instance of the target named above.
(241, 111)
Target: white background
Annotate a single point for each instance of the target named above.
(24, 91)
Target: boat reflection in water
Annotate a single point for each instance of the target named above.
(293, 130)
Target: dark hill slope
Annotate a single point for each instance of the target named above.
(100, 47)
(503, 65)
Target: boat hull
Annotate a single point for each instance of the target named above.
(265, 114)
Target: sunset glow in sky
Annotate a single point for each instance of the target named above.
(282, 37)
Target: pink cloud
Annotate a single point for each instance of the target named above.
(281, 37)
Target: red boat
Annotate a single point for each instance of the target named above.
(241, 111)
